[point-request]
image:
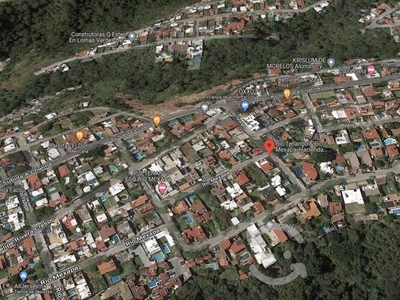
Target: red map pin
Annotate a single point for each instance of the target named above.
(269, 145)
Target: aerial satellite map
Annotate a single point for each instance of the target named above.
(199, 150)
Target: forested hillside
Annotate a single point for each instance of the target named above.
(333, 33)
(46, 25)
(359, 262)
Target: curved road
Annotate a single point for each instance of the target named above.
(302, 10)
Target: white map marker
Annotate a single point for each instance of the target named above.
(331, 62)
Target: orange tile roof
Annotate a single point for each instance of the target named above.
(242, 179)
(63, 170)
(184, 186)
(237, 246)
(309, 170)
(34, 181)
(107, 267)
(392, 150)
(371, 134)
(29, 245)
(107, 231)
(312, 210)
(139, 201)
(335, 207)
(225, 244)
(267, 166)
(282, 237)
(180, 208)
(258, 207)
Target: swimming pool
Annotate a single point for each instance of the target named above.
(159, 256)
(189, 220)
(390, 141)
(340, 168)
(299, 170)
(375, 144)
(153, 283)
(212, 266)
(396, 212)
(115, 278)
(245, 256)
(165, 248)
(361, 147)
(116, 239)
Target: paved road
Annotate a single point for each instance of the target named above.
(374, 23)
(166, 41)
(161, 42)
(24, 146)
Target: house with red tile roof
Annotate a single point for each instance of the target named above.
(335, 208)
(106, 232)
(200, 212)
(218, 190)
(225, 244)
(34, 181)
(258, 208)
(63, 170)
(371, 134)
(107, 267)
(309, 209)
(194, 235)
(29, 246)
(69, 221)
(180, 208)
(236, 247)
(310, 171)
(266, 165)
(241, 178)
(392, 150)
(376, 152)
(234, 27)
(139, 201)
(229, 124)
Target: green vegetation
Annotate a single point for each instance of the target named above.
(335, 33)
(51, 128)
(81, 118)
(47, 25)
(44, 212)
(354, 263)
(319, 157)
(256, 174)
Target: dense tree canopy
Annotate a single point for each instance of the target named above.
(46, 25)
(358, 262)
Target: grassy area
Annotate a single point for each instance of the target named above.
(109, 202)
(23, 69)
(96, 282)
(3, 274)
(129, 268)
(375, 199)
(90, 226)
(210, 226)
(390, 188)
(182, 224)
(256, 174)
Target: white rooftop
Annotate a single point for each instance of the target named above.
(352, 196)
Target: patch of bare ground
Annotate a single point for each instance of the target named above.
(177, 103)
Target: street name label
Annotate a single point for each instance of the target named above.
(142, 237)
(60, 275)
(26, 234)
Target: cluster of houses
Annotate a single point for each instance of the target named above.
(375, 12)
(192, 50)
